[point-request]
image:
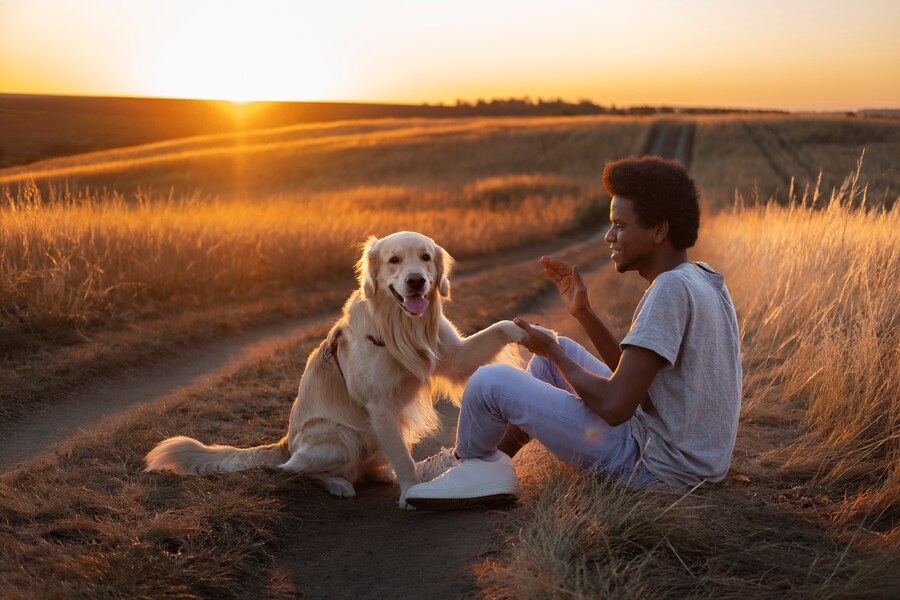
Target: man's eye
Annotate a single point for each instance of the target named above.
(426, 257)
(394, 260)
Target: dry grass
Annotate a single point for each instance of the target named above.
(819, 316)
(81, 262)
(577, 536)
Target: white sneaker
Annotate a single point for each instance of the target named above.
(473, 482)
(437, 465)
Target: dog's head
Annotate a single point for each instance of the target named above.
(407, 266)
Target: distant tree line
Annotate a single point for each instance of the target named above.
(559, 107)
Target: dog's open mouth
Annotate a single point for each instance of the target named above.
(415, 304)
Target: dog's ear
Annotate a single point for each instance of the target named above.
(444, 263)
(367, 268)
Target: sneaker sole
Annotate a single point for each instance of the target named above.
(461, 503)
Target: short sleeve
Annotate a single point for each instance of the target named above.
(660, 320)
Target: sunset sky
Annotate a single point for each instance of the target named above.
(794, 54)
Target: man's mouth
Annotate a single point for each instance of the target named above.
(414, 304)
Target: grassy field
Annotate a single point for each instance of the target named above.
(104, 255)
(771, 529)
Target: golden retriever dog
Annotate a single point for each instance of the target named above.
(367, 392)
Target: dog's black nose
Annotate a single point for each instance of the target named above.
(415, 282)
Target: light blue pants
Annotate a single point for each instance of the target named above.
(541, 403)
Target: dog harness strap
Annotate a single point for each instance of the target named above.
(331, 351)
(375, 340)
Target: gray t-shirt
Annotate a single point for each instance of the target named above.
(687, 427)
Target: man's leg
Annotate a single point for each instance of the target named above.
(501, 401)
(541, 404)
(543, 369)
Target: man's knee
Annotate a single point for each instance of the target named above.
(485, 383)
(489, 375)
(570, 346)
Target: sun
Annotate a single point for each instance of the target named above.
(241, 57)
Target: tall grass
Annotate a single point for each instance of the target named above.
(73, 260)
(816, 288)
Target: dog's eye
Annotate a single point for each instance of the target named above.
(394, 260)
(426, 257)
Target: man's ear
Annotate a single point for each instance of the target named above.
(661, 231)
(444, 263)
(367, 268)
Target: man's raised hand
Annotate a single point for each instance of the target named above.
(569, 283)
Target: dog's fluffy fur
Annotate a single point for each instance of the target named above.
(357, 414)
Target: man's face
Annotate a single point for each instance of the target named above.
(631, 244)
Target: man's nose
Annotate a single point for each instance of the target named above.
(415, 282)
(611, 234)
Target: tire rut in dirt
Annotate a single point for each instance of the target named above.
(673, 140)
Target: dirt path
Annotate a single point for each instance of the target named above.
(99, 404)
(671, 140)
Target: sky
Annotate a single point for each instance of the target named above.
(790, 54)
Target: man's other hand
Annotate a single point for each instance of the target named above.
(569, 283)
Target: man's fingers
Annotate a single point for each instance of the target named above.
(523, 324)
(556, 266)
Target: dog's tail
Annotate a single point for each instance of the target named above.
(186, 455)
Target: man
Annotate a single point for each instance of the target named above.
(662, 407)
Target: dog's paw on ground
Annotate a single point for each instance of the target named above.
(340, 487)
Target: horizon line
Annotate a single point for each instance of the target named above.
(445, 104)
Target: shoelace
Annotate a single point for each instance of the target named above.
(437, 464)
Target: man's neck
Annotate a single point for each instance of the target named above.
(663, 262)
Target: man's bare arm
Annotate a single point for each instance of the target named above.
(615, 398)
(602, 338)
(574, 295)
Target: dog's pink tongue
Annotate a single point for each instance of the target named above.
(415, 304)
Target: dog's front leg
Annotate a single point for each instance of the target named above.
(467, 354)
(387, 430)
